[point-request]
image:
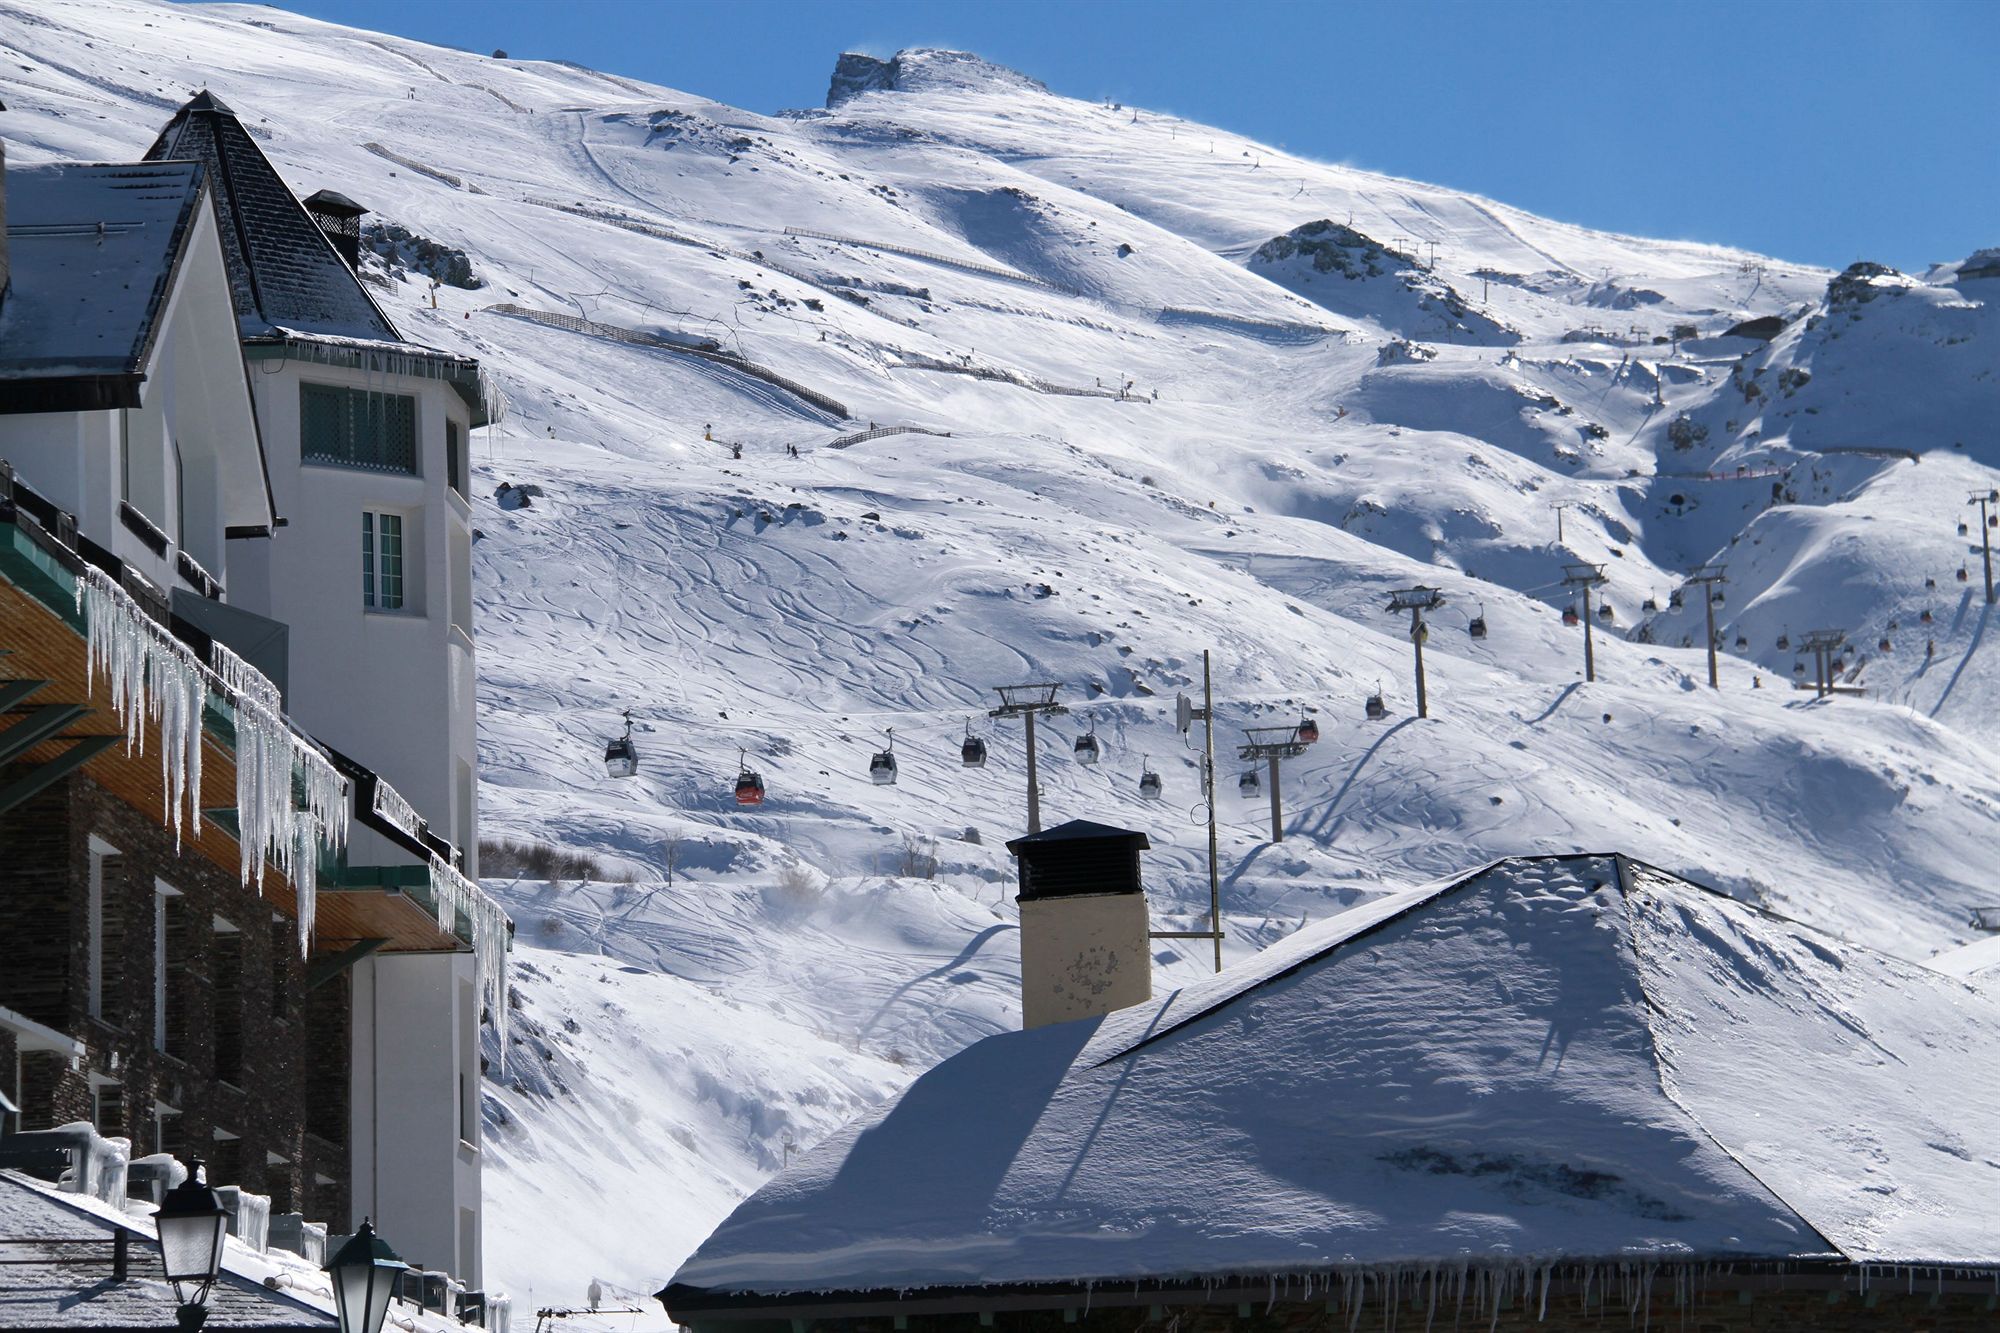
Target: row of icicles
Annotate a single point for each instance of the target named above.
(621, 756)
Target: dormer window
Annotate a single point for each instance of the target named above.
(358, 428)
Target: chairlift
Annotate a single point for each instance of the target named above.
(1308, 731)
(882, 768)
(1570, 617)
(1087, 750)
(972, 752)
(1477, 629)
(1150, 785)
(621, 757)
(1375, 709)
(1249, 785)
(749, 786)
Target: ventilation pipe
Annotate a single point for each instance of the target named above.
(1085, 947)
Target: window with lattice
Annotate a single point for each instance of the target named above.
(358, 428)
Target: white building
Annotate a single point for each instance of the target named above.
(371, 566)
(126, 404)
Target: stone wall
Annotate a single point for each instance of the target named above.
(244, 1040)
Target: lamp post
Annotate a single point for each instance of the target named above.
(191, 1222)
(364, 1274)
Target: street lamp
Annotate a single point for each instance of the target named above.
(192, 1222)
(364, 1279)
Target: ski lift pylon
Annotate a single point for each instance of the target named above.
(882, 767)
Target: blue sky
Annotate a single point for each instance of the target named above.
(1816, 131)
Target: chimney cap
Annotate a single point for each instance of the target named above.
(1078, 830)
(332, 201)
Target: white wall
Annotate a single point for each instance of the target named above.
(415, 1065)
(392, 689)
(193, 437)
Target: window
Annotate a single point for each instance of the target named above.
(170, 969)
(356, 428)
(454, 457)
(100, 956)
(226, 977)
(381, 561)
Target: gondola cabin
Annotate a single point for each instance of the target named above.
(972, 754)
(1150, 785)
(1248, 785)
(1308, 731)
(1375, 709)
(1086, 748)
(1477, 629)
(1570, 617)
(749, 788)
(1605, 612)
(621, 757)
(882, 769)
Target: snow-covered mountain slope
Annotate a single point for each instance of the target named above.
(1179, 391)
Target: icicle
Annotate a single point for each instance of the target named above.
(272, 829)
(453, 894)
(153, 677)
(390, 805)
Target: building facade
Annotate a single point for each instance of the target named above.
(237, 806)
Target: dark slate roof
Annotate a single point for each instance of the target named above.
(1078, 830)
(94, 250)
(333, 201)
(283, 272)
(74, 1288)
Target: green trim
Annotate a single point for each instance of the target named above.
(34, 571)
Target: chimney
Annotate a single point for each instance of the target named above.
(340, 218)
(1085, 946)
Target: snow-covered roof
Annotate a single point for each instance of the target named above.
(1979, 960)
(1556, 1058)
(283, 272)
(72, 1285)
(94, 249)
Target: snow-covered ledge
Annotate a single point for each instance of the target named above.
(154, 677)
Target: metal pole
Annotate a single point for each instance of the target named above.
(1986, 549)
(1034, 787)
(1208, 769)
(1277, 805)
(1589, 654)
(1417, 641)
(1708, 606)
